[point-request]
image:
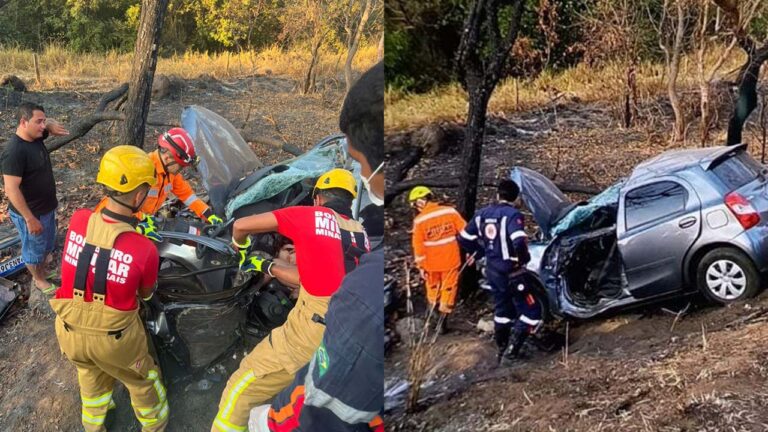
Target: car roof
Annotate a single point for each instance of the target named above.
(674, 161)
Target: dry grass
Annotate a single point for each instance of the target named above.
(63, 69)
(449, 103)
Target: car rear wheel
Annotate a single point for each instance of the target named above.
(726, 276)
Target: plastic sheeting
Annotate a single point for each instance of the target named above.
(310, 165)
(582, 212)
(541, 196)
(225, 157)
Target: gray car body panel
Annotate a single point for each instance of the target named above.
(715, 225)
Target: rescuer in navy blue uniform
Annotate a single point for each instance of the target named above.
(497, 233)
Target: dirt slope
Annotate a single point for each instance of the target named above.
(38, 387)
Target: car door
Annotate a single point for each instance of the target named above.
(658, 222)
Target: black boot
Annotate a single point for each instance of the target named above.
(516, 342)
(443, 324)
(501, 337)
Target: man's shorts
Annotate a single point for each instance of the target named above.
(34, 248)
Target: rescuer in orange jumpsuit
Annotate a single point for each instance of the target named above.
(175, 152)
(435, 248)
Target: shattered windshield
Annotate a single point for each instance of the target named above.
(225, 157)
(328, 154)
(582, 212)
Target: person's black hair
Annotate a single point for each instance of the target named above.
(25, 111)
(372, 217)
(362, 116)
(336, 194)
(508, 190)
(279, 242)
(144, 187)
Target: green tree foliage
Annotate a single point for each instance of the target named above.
(243, 24)
(421, 37)
(101, 25)
(202, 25)
(31, 24)
(92, 25)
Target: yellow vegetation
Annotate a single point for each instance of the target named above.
(607, 83)
(62, 69)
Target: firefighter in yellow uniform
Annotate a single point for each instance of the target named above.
(105, 265)
(435, 248)
(328, 245)
(175, 151)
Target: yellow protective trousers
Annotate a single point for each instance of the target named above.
(106, 344)
(271, 366)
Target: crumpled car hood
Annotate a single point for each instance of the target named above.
(545, 201)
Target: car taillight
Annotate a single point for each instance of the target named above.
(742, 209)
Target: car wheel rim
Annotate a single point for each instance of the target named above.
(726, 280)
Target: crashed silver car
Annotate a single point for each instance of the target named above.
(684, 221)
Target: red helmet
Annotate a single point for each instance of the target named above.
(178, 142)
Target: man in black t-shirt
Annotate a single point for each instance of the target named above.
(31, 189)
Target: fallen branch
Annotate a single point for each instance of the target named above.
(408, 159)
(272, 121)
(284, 146)
(111, 96)
(85, 125)
(749, 319)
(396, 189)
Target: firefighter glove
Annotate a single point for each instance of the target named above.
(256, 263)
(215, 220)
(148, 229)
(245, 245)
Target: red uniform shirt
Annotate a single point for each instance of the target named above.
(133, 265)
(317, 239)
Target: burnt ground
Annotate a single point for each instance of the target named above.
(38, 387)
(647, 369)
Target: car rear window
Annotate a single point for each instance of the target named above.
(737, 170)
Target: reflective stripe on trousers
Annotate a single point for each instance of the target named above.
(222, 419)
(150, 416)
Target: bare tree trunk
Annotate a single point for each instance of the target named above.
(674, 68)
(311, 72)
(705, 112)
(482, 55)
(763, 128)
(143, 71)
(355, 42)
(738, 16)
(705, 78)
(747, 101)
(380, 51)
(703, 82)
(470, 155)
(630, 97)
